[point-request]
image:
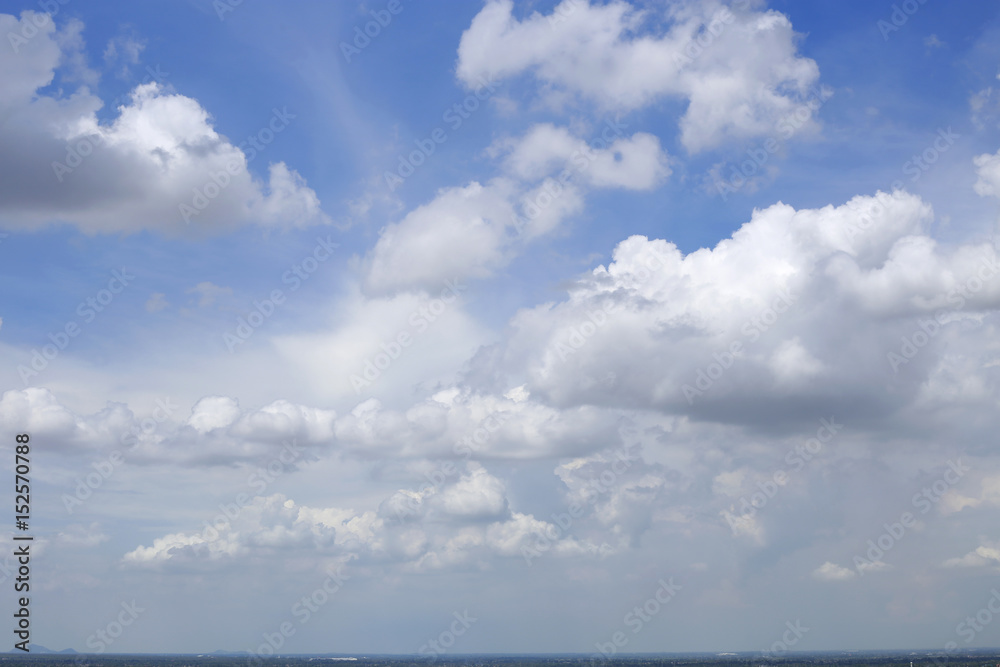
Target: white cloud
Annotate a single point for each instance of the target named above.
(872, 566)
(829, 571)
(217, 431)
(214, 412)
(986, 554)
(78, 536)
(729, 482)
(634, 163)
(159, 155)
(984, 106)
(157, 301)
(268, 526)
(622, 493)
(989, 496)
(818, 299)
(988, 172)
(472, 231)
(932, 41)
(476, 494)
(30, 65)
(122, 52)
(489, 426)
(792, 363)
(208, 292)
(744, 525)
(37, 411)
(743, 84)
(337, 361)
(462, 233)
(795, 289)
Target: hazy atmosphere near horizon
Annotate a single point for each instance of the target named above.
(514, 326)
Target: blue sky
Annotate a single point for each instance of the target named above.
(578, 273)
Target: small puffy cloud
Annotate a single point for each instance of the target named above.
(475, 230)
(523, 534)
(986, 554)
(266, 526)
(830, 571)
(865, 566)
(157, 301)
(208, 292)
(634, 163)
(988, 173)
(122, 52)
(984, 104)
(729, 483)
(952, 502)
(744, 525)
(163, 548)
(38, 412)
(989, 496)
(214, 412)
(461, 233)
(476, 494)
(465, 232)
(78, 536)
(932, 41)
